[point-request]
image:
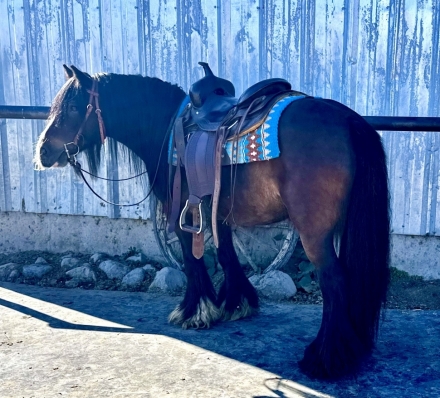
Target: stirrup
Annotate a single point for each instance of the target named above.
(190, 228)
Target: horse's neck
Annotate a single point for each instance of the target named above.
(141, 123)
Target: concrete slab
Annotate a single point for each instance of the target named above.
(417, 255)
(59, 342)
(58, 233)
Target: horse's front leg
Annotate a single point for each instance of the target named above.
(237, 297)
(198, 308)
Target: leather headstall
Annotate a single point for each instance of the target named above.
(93, 99)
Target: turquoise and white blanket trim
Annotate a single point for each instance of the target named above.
(259, 145)
(262, 144)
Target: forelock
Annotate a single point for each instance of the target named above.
(67, 92)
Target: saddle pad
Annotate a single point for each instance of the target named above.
(258, 145)
(261, 144)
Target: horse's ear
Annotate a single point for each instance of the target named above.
(84, 78)
(68, 73)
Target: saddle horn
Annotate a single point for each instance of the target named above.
(206, 69)
(209, 85)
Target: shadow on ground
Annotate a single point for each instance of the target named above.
(405, 363)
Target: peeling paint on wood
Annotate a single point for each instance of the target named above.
(380, 57)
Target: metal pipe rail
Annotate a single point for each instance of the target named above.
(404, 123)
(389, 123)
(24, 112)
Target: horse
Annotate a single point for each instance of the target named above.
(330, 181)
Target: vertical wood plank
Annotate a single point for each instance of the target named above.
(380, 57)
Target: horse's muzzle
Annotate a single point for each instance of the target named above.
(47, 160)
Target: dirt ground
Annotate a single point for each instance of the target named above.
(412, 292)
(406, 292)
(98, 343)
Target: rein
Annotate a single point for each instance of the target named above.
(94, 97)
(75, 164)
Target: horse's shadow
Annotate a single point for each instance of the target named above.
(273, 341)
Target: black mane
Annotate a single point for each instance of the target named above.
(137, 113)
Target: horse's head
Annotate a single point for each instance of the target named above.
(70, 128)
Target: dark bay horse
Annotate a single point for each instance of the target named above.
(330, 181)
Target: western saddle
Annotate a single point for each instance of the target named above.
(213, 116)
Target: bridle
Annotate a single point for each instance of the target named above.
(93, 97)
(94, 103)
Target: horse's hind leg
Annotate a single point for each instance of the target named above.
(197, 309)
(337, 349)
(316, 206)
(237, 297)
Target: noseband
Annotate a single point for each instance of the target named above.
(93, 98)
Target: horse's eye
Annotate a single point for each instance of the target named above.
(73, 108)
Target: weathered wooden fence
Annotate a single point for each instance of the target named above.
(380, 57)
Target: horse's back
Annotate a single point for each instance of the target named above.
(312, 174)
(316, 129)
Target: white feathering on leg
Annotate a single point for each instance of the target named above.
(206, 313)
(243, 310)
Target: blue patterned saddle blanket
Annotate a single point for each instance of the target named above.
(258, 145)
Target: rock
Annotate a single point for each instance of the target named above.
(14, 275)
(40, 260)
(275, 285)
(306, 266)
(36, 270)
(139, 258)
(70, 262)
(149, 269)
(305, 283)
(169, 280)
(134, 278)
(80, 275)
(97, 257)
(113, 269)
(7, 269)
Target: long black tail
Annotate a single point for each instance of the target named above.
(365, 242)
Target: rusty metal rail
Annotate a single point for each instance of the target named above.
(390, 123)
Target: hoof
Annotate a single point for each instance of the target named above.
(205, 314)
(312, 365)
(331, 363)
(243, 310)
